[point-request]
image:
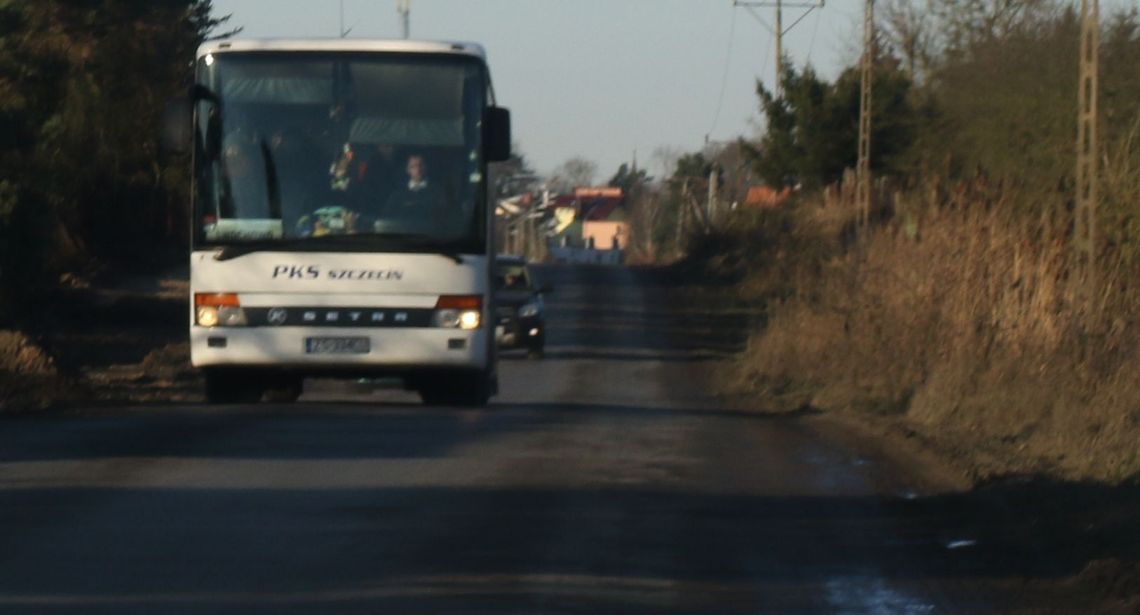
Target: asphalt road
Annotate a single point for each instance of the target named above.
(605, 478)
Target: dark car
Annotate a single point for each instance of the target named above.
(520, 319)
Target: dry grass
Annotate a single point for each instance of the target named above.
(28, 376)
(968, 322)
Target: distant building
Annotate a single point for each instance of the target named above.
(595, 204)
(765, 197)
(605, 234)
(591, 226)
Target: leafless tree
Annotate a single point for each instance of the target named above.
(908, 28)
(665, 157)
(963, 22)
(573, 173)
(645, 215)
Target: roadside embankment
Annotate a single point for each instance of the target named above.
(118, 339)
(957, 329)
(951, 319)
(28, 376)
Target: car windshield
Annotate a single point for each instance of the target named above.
(302, 145)
(512, 277)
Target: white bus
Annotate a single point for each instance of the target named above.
(341, 220)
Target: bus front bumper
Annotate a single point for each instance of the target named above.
(321, 349)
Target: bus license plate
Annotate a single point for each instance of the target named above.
(337, 345)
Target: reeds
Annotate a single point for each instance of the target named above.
(963, 311)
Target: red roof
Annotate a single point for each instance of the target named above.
(599, 208)
(764, 196)
(590, 209)
(565, 200)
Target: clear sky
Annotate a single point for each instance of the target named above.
(597, 78)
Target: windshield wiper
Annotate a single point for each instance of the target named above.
(232, 251)
(409, 242)
(426, 242)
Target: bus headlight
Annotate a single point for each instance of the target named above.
(458, 312)
(457, 319)
(218, 310)
(207, 316)
(214, 316)
(470, 319)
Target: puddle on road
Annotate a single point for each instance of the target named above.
(871, 596)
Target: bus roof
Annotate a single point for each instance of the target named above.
(342, 44)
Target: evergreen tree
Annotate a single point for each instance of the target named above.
(82, 85)
(813, 129)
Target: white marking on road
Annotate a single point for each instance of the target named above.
(961, 544)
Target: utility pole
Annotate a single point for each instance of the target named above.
(1084, 227)
(779, 48)
(712, 205)
(404, 8)
(779, 31)
(682, 211)
(863, 167)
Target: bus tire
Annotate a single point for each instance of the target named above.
(224, 387)
(284, 390)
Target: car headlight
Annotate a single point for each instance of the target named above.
(528, 310)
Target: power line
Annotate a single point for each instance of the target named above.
(779, 30)
(759, 19)
(814, 33)
(724, 77)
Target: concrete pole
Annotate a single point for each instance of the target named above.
(1088, 149)
(404, 8)
(712, 195)
(863, 166)
(779, 49)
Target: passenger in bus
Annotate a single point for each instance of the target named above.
(419, 200)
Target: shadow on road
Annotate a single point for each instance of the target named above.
(409, 546)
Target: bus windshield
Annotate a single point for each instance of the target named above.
(295, 145)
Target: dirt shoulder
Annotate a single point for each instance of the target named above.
(1084, 533)
(116, 340)
(1075, 540)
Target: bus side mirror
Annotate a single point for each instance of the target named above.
(497, 134)
(177, 126)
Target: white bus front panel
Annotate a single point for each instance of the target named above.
(380, 305)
